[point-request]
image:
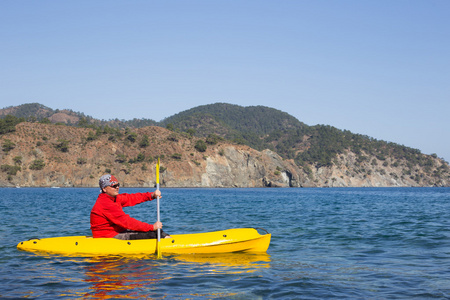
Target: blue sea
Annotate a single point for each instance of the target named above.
(343, 243)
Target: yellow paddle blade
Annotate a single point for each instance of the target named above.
(158, 250)
(157, 172)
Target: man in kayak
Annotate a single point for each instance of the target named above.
(108, 220)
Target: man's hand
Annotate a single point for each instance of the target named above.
(156, 194)
(157, 225)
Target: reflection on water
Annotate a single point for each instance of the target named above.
(242, 260)
(135, 277)
(120, 276)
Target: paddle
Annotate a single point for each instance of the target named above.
(158, 244)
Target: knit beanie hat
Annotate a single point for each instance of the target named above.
(107, 180)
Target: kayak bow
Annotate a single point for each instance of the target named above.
(225, 241)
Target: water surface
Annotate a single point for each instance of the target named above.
(355, 243)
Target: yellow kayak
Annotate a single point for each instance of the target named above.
(225, 241)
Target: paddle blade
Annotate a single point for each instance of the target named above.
(158, 250)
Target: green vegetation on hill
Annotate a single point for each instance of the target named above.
(8, 123)
(244, 125)
(324, 143)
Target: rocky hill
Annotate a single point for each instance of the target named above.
(37, 154)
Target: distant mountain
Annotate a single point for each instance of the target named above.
(260, 127)
(260, 120)
(246, 125)
(35, 112)
(266, 128)
(26, 110)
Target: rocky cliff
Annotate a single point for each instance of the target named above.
(43, 155)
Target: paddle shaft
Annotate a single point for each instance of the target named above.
(158, 246)
(158, 216)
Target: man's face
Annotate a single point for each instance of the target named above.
(112, 190)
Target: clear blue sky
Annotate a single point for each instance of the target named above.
(378, 68)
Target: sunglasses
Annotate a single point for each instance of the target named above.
(115, 186)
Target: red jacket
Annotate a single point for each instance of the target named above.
(108, 218)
